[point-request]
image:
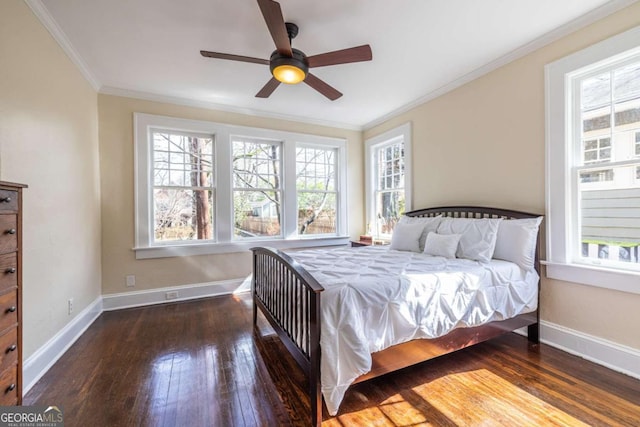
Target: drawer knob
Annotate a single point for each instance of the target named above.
(10, 388)
(5, 199)
(12, 348)
(10, 270)
(11, 309)
(11, 231)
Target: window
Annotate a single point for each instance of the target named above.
(388, 179)
(204, 187)
(316, 190)
(182, 186)
(257, 192)
(593, 191)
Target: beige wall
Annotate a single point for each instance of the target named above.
(49, 140)
(116, 158)
(484, 143)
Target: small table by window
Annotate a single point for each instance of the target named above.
(358, 243)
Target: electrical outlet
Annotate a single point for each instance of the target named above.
(130, 281)
(70, 305)
(171, 295)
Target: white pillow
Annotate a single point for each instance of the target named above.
(405, 237)
(444, 245)
(430, 224)
(478, 239)
(516, 241)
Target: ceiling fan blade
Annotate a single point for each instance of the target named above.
(322, 87)
(268, 88)
(344, 56)
(275, 22)
(233, 57)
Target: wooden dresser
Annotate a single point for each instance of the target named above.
(10, 293)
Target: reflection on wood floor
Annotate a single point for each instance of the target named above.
(199, 363)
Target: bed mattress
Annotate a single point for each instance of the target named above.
(376, 297)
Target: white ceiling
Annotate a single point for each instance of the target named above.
(150, 48)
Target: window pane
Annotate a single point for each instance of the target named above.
(182, 214)
(256, 165)
(390, 206)
(596, 91)
(256, 213)
(610, 214)
(597, 176)
(315, 170)
(316, 213)
(626, 82)
(181, 160)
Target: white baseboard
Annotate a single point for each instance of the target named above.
(39, 362)
(159, 296)
(614, 356)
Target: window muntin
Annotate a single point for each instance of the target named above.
(607, 192)
(317, 194)
(257, 188)
(183, 186)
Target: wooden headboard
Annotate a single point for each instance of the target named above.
(482, 212)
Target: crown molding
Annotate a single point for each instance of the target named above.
(148, 96)
(42, 13)
(548, 38)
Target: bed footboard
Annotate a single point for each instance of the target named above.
(289, 298)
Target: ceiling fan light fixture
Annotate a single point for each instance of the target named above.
(289, 70)
(289, 74)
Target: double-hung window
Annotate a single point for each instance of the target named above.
(388, 180)
(257, 188)
(183, 186)
(204, 187)
(317, 191)
(593, 159)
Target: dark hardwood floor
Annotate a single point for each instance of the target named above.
(199, 363)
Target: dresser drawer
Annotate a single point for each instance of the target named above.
(8, 201)
(8, 233)
(8, 310)
(8, 349)
(8, 271)
(9, 387)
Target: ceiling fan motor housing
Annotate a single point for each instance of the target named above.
(298, 60)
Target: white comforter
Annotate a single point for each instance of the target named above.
(375, 298)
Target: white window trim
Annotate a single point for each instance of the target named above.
(223, 241)
(560, 264)
(401, 132)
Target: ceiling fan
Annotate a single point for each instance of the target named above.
(290, 65)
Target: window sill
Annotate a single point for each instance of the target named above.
(232, 247)
(624, 281)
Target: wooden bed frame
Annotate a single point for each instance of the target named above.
(289, 298)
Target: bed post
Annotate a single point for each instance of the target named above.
(253, 291)
(533, 331)
(315, 392)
